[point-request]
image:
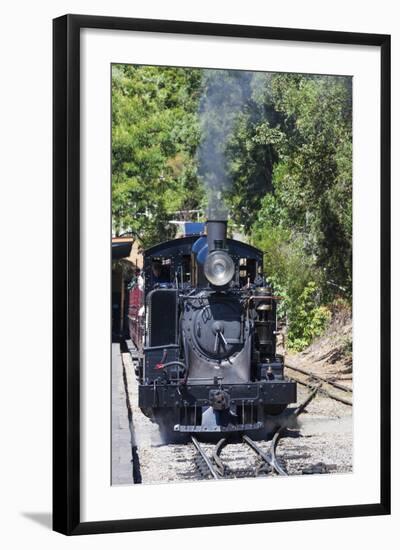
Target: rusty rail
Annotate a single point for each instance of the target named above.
(317, 377)
(324, 392)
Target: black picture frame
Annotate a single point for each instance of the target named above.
(66, 273)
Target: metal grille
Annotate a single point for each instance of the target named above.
(162, 326)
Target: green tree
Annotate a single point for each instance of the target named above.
(313, 178)
(155, 134)
(304, 220)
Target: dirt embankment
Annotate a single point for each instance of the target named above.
(331, 353)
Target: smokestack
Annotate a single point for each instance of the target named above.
(216, 234)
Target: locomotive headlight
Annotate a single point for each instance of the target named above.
(219, 268)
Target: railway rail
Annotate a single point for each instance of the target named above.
(214, 466)
(322, 382)
(237, 456)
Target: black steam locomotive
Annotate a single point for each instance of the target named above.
(207, 360)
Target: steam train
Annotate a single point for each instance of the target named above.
(204, 324)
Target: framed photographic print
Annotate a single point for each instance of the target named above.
(221, 274)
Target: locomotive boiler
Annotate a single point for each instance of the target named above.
(206, 336)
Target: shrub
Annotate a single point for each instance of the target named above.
(307, 319)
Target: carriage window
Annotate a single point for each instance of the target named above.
(160, 270)
(247, 270)
(243, 271)
(186, 268)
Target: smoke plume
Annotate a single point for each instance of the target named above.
(224, 97)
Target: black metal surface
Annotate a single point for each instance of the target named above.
(177, 250)
(184, 245)
(259, 393)
(216, 234)
(216, 327)
(163, 317)
(153, 357)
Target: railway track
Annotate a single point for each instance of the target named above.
(282, 453)
(268, 462)
(324, 384)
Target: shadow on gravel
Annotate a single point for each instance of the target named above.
(286, 419)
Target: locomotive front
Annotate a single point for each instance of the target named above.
(216, 369)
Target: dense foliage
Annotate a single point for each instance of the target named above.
(155, 134)
(278, 147)
(301, 126)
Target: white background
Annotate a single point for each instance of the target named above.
(26, 268)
